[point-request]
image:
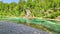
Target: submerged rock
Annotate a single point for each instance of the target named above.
(13, 28)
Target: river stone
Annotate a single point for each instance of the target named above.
(13, 28)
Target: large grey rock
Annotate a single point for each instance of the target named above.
(13, 28)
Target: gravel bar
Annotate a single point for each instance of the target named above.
(13, 28)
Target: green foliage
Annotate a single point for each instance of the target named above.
(54, 15)
(37, 8)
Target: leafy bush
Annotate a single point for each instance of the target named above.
(37, 8)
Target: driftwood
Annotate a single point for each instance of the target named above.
(28, 13)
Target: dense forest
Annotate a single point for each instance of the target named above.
(38, 8)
